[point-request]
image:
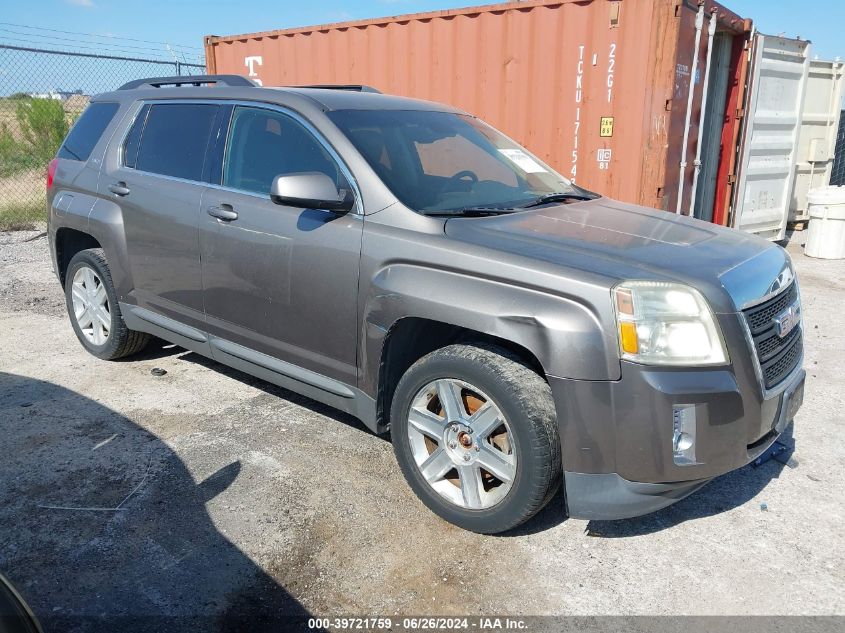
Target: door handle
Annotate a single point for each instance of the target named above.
(224, 212)
(119, 189)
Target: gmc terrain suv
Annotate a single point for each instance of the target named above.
(406, 263)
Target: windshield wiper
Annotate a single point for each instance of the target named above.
(559, 196)
(471, 211)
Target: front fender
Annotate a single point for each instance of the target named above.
(564, 333)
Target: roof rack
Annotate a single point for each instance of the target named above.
(350, 87)
(190, 80)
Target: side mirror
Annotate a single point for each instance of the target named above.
(310, 190)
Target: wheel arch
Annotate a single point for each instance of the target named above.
(105, 223)
(69, 242)
(560, 334)
(411, 338)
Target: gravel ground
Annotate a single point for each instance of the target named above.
(207, 495)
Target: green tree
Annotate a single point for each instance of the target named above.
(14, 157)
(43, 126)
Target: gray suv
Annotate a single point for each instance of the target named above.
(408, 264)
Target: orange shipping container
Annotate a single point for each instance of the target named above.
(597, 88)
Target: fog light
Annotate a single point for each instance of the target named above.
(682, 442)
(683, 434)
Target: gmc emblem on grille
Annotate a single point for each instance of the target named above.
(786, 321)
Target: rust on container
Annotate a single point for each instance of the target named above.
(730, 131)
(597, 88)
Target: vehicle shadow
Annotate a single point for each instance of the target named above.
(553, 514)
(103, 527)
(156, 348)
(720, 495)
(275, 390)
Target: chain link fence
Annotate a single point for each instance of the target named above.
(42, 92)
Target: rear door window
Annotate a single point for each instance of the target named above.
(174, 139)
(85, 134)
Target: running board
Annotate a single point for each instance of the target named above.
(164, 322)
(282, 367)
(278, 372)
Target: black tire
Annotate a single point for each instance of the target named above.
(523, 397)
(121, 341)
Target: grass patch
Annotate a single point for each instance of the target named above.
(23, 216)
(31, 131)
(15, 156)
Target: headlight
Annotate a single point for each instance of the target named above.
(664, 323)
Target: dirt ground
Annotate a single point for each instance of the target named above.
(208, 495)
(22, 199)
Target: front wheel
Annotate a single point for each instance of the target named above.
(474, 432)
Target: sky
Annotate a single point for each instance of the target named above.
(174, 30)
(183, 24)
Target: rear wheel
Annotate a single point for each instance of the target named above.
(94, 311)
(475, 435)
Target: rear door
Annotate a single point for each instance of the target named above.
(157, 181)
(772, 122)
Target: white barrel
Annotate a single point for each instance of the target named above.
(826, 235)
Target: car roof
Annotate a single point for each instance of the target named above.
(342, 99)
(325, 98)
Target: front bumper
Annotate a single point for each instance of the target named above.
(617, 437)
(609, 496)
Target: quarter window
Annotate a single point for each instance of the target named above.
(133, 139)
(174, 139)
(264, 144)
(88, 129)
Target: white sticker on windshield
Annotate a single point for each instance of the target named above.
(523, 161)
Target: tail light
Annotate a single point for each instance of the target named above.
(51, 171)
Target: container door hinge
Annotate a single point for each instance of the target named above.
(659, 192)
(678, 8)
(731, 179)
(740, 113)
(668, 106)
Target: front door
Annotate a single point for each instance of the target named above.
(279, 280)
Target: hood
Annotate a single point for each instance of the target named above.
(623, 241)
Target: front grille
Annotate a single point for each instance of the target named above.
(761, 317)
(778, 368)
(777, 356)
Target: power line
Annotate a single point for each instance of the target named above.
(92, 48)
(76, 42)
(28, 49)
(115, 37)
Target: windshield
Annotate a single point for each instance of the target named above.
(441, 161)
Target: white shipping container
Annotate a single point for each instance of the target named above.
(767, 154)
(817, 137)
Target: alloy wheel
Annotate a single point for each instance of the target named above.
(91, 305)
(462, 444)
